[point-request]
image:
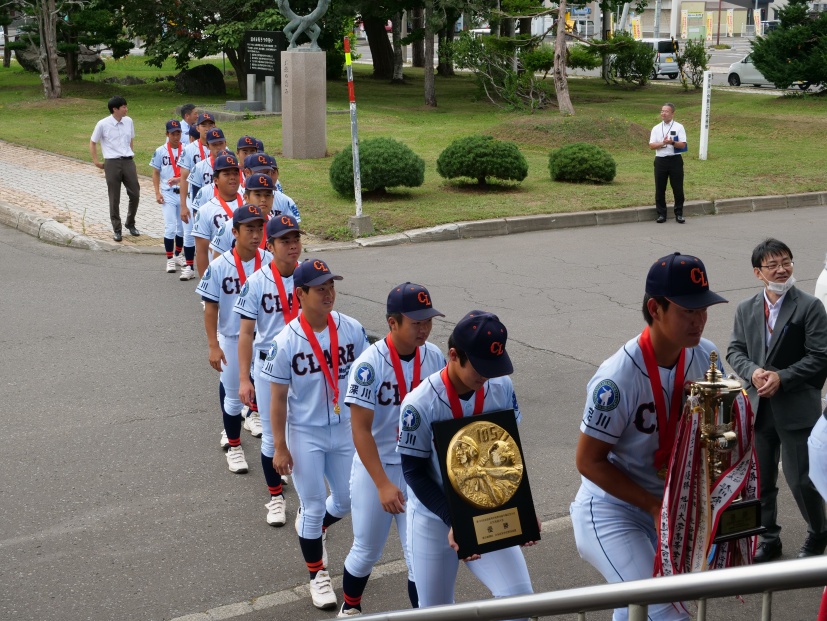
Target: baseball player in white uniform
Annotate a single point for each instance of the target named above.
(624, 443)
(259, 192)
(246, 146)
(166, 177)
(194, 152)
(218, 209)
(266, 306)
(223, 281)
(202, 173)
(308, 366)
(379, 379)
(476, 352)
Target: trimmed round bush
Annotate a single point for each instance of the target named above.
(582, 162)
(383, 163)
(480, 157)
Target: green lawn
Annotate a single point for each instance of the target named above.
(759, 144)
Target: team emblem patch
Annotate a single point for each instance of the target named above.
(410, 418)
(271, 355)
(207, 274)
(244, 289)
(221, 230)
(197, 215)
(606, 396)
(364, 374)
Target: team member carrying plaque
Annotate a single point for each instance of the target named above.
(475, 381)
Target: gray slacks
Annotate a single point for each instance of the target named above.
(117, 172)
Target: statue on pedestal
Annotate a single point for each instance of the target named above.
(299, 24)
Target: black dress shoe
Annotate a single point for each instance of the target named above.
(767, 551)
(133, 231)
(661, 219)
(814, 545)
(679, 219)
(117, 236)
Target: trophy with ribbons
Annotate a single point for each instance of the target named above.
(711, 514)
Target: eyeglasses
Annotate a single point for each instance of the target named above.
(774, 266)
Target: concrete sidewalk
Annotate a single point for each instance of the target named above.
(64, 201)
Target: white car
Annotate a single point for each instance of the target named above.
(821, 286)
(744, 72)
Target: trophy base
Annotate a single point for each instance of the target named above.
(740, 519)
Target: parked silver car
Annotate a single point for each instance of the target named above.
(666, 61)
(744, 72)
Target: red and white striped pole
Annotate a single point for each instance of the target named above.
(354, 130)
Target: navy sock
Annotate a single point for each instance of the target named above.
(329, 520)
(272, 477)
(221, 394)
(179, 241)
(232, 425)
(312, 553)
(353, 588)
(189, 254)
(412, 594)
(168, 246)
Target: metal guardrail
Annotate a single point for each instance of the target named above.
(765, 578)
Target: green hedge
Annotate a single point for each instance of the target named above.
(481, 157)
(383, 162)
(582, 162)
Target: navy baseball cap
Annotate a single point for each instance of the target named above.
(313, 272)
(413, 301)
(260, 161)
(259, 146)
(281, 225)
(247, 213)
(173, 126)
(482, 337)
(682, 279)
(205, 116)
(247, 142)
(194, 133)
(215, 135)
(225, 162)
(259, 181)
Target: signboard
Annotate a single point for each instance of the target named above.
(582, 11)
(730, 23)
(637, 33)
(264, 49)
(695, 15)
(756, 19)
(684, 23)
(709, 26)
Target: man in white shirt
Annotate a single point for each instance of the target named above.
(668, 140)
(115, 134)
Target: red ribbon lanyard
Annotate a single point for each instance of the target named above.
(243, 180)
(224, 204)
(453, 397)
(212, 161)
(767, 315)
(201, 149)
(666, 425)
(397, 368)
(240, 267)
(287, 309)
(334, 355)
(176, 171)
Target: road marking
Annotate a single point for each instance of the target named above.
(294, 594)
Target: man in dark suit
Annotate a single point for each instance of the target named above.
(779, 346)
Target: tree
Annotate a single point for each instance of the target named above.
(796, 51)
(430, 84)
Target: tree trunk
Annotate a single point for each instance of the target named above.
(6, 48)
(561, 85)
(446, 37)
(47, 29)
(507, 27)
(398, 76)
(236, 58)
(380, 48)
(418, 46)
(525, 26)
(72, 70)
(430, 86)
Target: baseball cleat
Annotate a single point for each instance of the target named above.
(322, 591)
(180, 261)
(253, 424)
(276, 515)
(170, 266)
(236, 461)
(350, 612)
(187, 273)
(224, 442)
(285, 480)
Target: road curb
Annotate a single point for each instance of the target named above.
(53, 232)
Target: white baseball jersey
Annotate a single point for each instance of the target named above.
(373, 386)
(291, 360)
(283, 204)
(211, 215)
(202, 196)
(224, 239)
(221, 283)
(260, 301)
(163, 164)
(620, 410)
(194, 152)
(428, 404)
(201, 174)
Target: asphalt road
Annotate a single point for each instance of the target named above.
(116, 500)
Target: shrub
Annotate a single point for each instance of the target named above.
(583, 57)
(693, 61)
(630, 61)
(581, 162)
(479, 157)
(383, 163)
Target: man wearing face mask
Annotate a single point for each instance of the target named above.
(779, 346)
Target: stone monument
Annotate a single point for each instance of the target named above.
(303, 86)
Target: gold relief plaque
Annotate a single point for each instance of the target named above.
(484, 465)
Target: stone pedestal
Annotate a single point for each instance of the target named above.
(360, 225)
(304, 104)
